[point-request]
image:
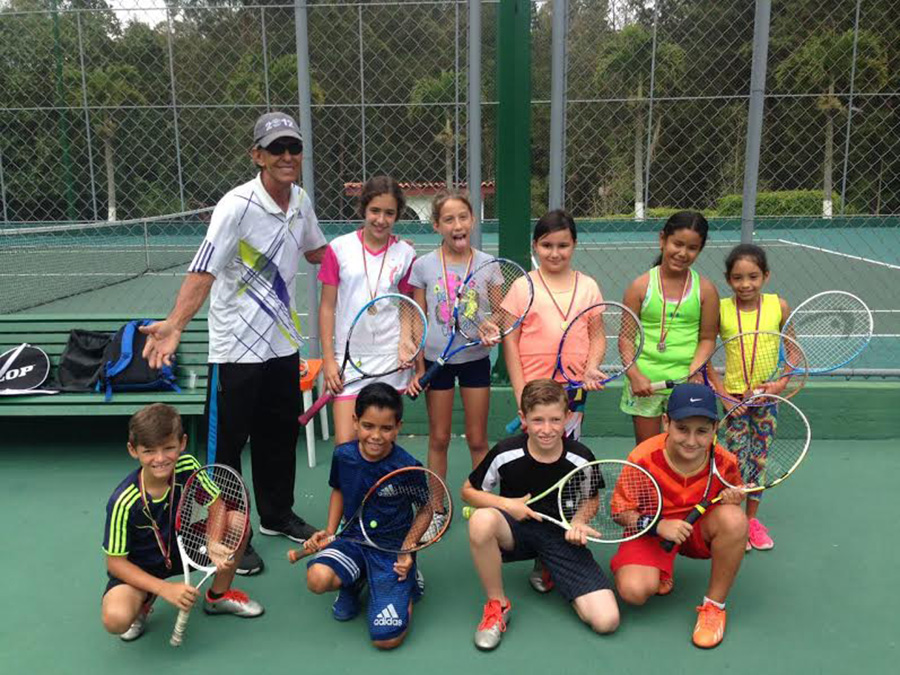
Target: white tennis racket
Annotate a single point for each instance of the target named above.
(612, 499)
(211, 523)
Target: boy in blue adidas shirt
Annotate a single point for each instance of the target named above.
(345, 566)
(139, 541)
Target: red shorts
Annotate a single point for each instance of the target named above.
(648, 550)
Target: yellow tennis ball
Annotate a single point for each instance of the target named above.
(373, 524)
(467, 512)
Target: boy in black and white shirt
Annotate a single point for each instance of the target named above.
(505, 528)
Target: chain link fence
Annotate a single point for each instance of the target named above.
(133, 109)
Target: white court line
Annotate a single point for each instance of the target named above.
(839, 253)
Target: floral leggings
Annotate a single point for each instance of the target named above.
(748, 437)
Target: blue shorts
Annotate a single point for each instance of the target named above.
(472, 375)
(389, 599)
(572, 568)
(160, 572)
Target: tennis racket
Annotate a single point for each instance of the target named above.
(832, 327)
(404, 511)
(617, 500)
(211, 523)
(23, 369)
(766, 458)
(584, 353)
(478, 317)
(769, 361)
(386, 335)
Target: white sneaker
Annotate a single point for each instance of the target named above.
(233, 602)
(136, 629)
(493, 625)
(435, 528)
(539, 578)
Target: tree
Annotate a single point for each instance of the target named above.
(823, 64)
(109, 88)
(426, 97)
(624, 65)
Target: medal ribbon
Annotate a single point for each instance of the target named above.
(565, 317)
(663, 332)
(362, 242)
(447, 279)
(163, 548)
(748, 375)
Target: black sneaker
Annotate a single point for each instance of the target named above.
(295, 529)
(251, 563)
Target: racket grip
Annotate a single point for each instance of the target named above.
(514, 426)
(665, 384)
(316, 407)
(180, 626)
(297, 554)
(428, 376)
(692, 518)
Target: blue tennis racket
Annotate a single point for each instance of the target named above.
(478, 315)
(599, 345)
(833, 328)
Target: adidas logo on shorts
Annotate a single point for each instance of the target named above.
(388, 617)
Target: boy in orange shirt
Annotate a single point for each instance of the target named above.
(679, 460)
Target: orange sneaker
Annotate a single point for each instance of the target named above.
(665, 586)
(710, 627)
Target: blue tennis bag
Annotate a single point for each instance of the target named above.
(124, 367)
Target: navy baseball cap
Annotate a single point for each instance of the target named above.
(692, 400)
(272, 126)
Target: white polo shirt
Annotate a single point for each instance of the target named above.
(253, 249)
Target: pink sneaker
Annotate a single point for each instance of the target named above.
(759, 536)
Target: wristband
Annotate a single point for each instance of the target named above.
(644, 521)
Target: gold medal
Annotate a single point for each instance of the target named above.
(661, 346)
(373, 310)
(564, 325)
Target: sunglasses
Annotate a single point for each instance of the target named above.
(278, 147)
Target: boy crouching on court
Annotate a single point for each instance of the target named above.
(679, 461)
(139, 539)
(345, 566)
(505, 529)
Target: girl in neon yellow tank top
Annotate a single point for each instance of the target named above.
(747, 271)
(679, 310)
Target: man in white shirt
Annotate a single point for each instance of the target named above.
(246, 266)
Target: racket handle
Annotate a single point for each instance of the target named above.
(665, 384)
(513, 426)
(297, 554)
(692, 518)
(180, 626)
(316, 407)
(428, 376)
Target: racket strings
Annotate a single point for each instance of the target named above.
(610, 498)
(603, 341)
(480, 311)
(212, 515)
(769, 441)
(746, 362)
(832, 328)
(386, 335)
(406, 510)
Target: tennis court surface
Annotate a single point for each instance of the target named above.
(823, 601)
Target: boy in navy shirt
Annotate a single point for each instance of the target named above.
(345, 566)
